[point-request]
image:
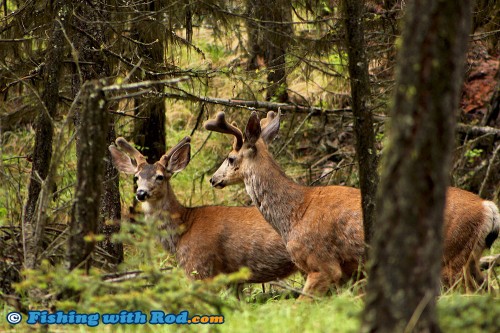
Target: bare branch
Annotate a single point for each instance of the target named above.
(145, 84)
(477, 130)
(489, 172)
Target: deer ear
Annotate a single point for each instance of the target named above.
(271, 129)
(180, 158)
(253, 130)
(122, 161)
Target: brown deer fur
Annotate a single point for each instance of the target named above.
(322, 226)
(471, 225)
(206, 240)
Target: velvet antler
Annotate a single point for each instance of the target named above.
(219, 124)
(265, 121)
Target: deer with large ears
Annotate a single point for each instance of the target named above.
(206, 240)
(322, 226)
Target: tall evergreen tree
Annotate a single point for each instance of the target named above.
(270, 31)
(149, 130)
(92, 63)
(352, 12)
(34, 220)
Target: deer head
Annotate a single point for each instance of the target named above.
(150, 178)
(245, 147)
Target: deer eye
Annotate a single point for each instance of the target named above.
(160, 177)
(136, 178)
(231, 160)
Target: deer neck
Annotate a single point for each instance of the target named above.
(276, 196)
(169, 213)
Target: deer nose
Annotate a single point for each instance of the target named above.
(217, 183)
(141, 195)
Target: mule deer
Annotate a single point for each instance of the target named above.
(322, 226)
(207, 240)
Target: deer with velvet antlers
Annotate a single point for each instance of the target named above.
(322, 226)
(207, 240)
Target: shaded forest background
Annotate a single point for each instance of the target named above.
(159, 69)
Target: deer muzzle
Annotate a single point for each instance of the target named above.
(217, 183)
(141, 195)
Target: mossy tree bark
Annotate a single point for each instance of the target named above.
(352, 12)
(34, 215)
(405, 266)
(269, 34)
(85, 213)
(93, 64)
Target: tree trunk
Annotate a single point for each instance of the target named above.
(94, 65)
(268, 40)
(109, 223)
(405, 264)
(352, 12)
(34, 210)
(149, 134)
(92, 135)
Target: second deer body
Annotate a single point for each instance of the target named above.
(206, 240)
(323, 226)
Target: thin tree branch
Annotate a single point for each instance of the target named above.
(145, 84)
(121, 113)
(16, 40)
(477, 130)
(489, 172)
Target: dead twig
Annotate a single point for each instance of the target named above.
(124, 276)
(477, 130)
(489, 172)
(285, 286)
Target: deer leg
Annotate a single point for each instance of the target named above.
(476, 278)
(448, 275)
